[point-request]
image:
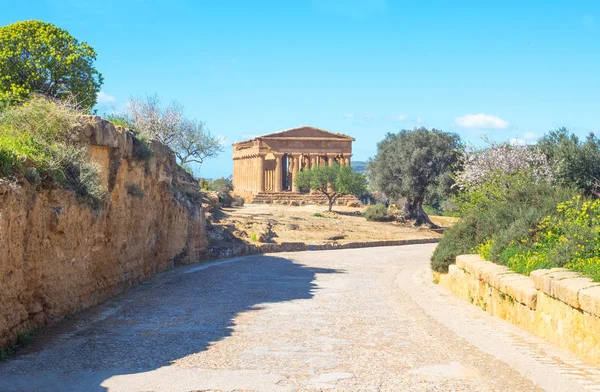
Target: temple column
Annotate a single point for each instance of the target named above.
(313, 161)
(243, 174)
(348, 160)
(295, 171)
(247, 173)
(330, 159)
(278, 172)
(261, 173)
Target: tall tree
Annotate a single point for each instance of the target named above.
(415, 164)
(332, 181)
(575, 163)
(38, 57)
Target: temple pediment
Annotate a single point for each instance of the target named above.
(307, 133)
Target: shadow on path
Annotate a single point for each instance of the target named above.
(158, 322)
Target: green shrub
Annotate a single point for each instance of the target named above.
(141, 149)
(220, 185)
(225, 199)
(460, 239)
(119, 121)
(503, 222)
(38, 141)
(569, 237)
(377, 212)
(237, 201)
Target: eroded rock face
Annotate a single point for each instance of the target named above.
(59, 256)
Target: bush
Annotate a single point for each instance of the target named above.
(141, 149)
(38, 141)
(377, 212)
(220, 185)
(225, 199)
(460, 239)
(119, 121)
(569, 237)
(237, 201)
(506, 220)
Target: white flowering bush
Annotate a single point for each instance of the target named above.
(501, 161)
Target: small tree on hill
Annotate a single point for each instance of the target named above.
(333, 181)
(414, 165)
(190, 139)
(38, 57)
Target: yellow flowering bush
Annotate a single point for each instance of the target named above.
(570, 238)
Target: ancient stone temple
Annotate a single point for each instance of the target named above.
(269, 164)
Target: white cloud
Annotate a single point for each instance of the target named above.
(104, 98)
(419, 120)
(398, 118)
(530, 136)
(481, 120)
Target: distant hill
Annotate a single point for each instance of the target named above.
(359, 166)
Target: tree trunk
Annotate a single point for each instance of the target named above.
(413, 210)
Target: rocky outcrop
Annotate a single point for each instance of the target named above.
(59, 255)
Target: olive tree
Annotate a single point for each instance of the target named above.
(415, 164)
(39, 57)
(332, 181)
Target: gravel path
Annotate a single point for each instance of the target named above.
(359, 319)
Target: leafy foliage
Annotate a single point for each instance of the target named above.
(220, 185)
(38, 141)
(575, 163)
(415, 164)
(333, 181)
(376, 212)
(569, 237)
(38, 57)
(506, 220)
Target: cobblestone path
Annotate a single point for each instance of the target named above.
(359, 319)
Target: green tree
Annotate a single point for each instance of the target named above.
(38, 57)
(333, 181)
(575, 163)
(415, 164)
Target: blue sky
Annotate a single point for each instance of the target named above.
(505, 69)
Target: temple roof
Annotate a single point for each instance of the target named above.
(303, 132)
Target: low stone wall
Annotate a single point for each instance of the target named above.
(58, 255)
(558, 305)
(217, 252)
(295, 198)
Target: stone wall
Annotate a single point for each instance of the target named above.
(59, 255)
(296, 198)
(558, 305)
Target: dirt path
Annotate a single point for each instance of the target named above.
(360, 319)
(310, 224)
